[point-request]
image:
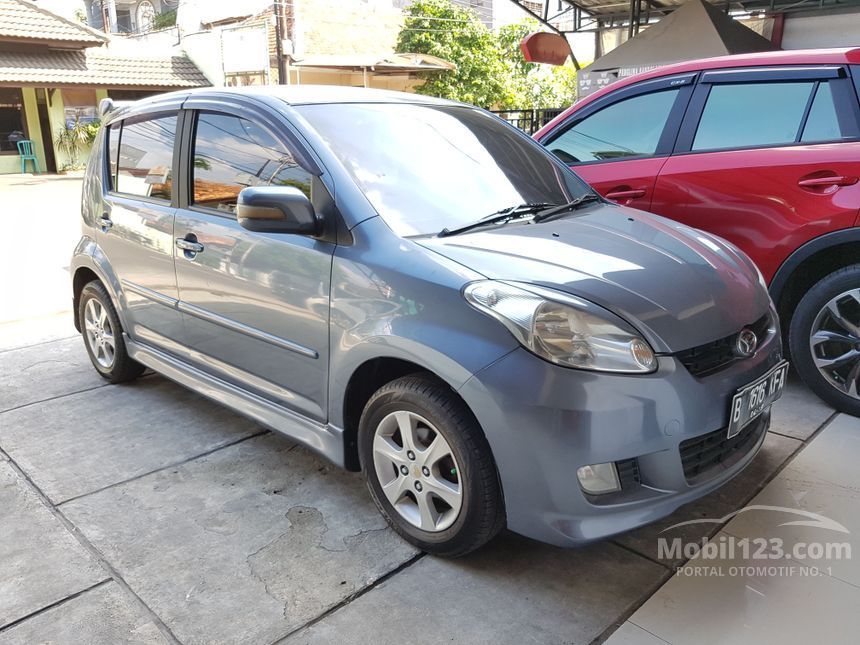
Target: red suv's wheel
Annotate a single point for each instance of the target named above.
(824, 338)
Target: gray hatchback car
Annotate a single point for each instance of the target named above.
(415, 289)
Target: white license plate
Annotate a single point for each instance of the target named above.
(756, 397)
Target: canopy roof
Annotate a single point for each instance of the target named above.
(696, 30)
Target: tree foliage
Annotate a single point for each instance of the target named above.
(533, 85)
(491, 71)
(438, 28)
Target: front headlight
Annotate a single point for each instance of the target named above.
(573, 333)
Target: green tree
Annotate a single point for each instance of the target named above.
(533, 85)
(439, 28)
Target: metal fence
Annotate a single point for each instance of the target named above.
(529, 121)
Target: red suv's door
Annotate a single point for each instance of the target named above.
(767, 159)
(619, 143)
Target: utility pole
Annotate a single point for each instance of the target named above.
(279, 42)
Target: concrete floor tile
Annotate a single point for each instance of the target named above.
(44, 371)
(630, 634)
(512, 591)
(100, 615)
(799, 412)
(822, 480)
(832, 455)
(17, 334)
(710, 603)
(81, 443)
(730, 497)
(243, 545)
(40, 562)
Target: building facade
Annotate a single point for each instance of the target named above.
(54, 72)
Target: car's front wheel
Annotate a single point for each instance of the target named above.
(429, 467)
(102, 334)
(824, 338)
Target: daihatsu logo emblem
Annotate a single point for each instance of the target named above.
(746, 343)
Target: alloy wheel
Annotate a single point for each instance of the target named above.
(99, 333)
(417, 471)
(835, 342)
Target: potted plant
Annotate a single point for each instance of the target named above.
(74, 139)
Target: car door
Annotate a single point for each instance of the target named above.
(766, 158)
(255, 305)
(619, 142)
(136, 228)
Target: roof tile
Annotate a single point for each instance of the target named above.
(94, 67)
(23, 20)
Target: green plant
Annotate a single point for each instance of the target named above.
(439, 28)
(164, 20)
(76, 138)
(533, 85)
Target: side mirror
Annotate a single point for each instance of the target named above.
(276, 209)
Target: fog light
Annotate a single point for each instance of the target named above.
(597, 479)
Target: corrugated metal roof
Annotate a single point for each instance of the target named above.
(98, 68)
(24, 21)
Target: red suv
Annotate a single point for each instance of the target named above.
(763, 150)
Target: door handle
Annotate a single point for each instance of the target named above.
(626, 194)
(824, 182)
(105, 222)
(190, 247)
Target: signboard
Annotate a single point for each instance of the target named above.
(245, 49)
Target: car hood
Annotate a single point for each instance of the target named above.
(679, 286)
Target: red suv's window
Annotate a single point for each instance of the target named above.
(628, 128)
(752, 114)
(822, 124)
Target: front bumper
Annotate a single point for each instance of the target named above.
(544, 421)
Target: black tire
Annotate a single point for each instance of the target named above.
(481, 514)
(123, 367)
(800, 331)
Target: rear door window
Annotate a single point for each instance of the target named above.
(145, 166)
(629, 128)
(822, 123)
(231, 153)
(744, 115)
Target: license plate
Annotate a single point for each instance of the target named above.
(756, 397)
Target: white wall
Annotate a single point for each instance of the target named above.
(204, 50)
(804, 31)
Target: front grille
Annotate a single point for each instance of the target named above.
(709, 358)
(628, 473)
(701, 454)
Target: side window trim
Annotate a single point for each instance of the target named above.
(810, 100)
(835, 75)
(108, 179)
(664, 146)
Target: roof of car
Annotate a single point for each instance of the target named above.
(835, 56)
(313, 94)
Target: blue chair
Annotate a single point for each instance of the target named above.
(27, 152)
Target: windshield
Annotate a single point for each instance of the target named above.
(428, 167)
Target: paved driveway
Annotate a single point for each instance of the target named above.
(144, 513)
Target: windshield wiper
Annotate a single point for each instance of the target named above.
(564, 208)
(504, 215)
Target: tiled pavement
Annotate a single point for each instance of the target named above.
(142, 513)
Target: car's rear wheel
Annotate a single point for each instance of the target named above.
(102, 334)
(429, 467)
(824, 339)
